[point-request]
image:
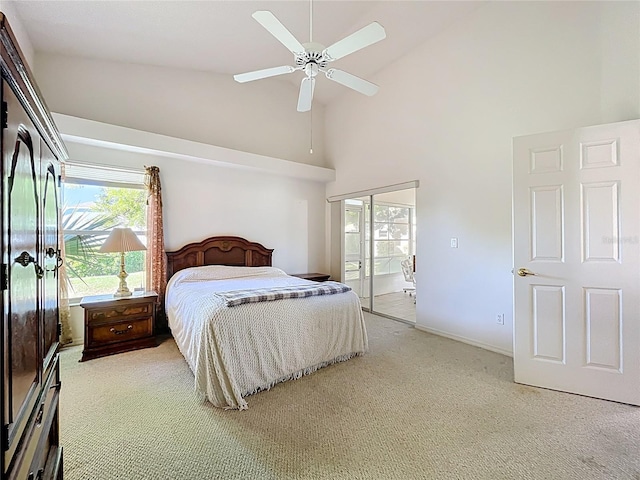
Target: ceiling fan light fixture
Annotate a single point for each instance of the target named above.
(311, 69)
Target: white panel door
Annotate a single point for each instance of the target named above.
(577, 261)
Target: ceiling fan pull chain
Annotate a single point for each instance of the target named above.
(310, 21)
(311, 132)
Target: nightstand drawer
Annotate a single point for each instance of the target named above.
(102, 314)
(114, 325)
(104, 334)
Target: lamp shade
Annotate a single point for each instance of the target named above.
(121, 239)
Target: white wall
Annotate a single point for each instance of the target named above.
(204, 200)
(620, 43)
(258, 117)
(446, 114)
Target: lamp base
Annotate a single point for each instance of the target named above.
(123, 290)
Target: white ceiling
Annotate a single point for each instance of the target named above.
(221, 36)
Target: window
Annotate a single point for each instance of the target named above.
(95, 200)
(391, 241)
(392, 237)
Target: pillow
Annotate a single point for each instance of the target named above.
(223, 272)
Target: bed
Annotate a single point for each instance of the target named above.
(238, 349)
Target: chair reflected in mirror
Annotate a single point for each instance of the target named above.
(409, 276)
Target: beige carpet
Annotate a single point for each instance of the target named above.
(417, 406)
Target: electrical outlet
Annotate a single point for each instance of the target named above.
(500, 319)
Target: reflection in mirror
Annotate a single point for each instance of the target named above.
(394, 243)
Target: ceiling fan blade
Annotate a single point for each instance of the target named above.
(275, 28)
(351, 81)
(306, 94)
(372, 33)
(266, 73)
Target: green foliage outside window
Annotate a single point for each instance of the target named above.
(125, 205)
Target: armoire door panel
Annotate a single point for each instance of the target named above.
(50, 256)
(22, 210)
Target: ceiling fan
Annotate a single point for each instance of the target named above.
(313, 58)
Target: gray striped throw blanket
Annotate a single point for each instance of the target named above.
(238, 297)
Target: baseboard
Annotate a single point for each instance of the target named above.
(466, 340)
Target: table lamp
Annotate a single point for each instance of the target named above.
(122, 240)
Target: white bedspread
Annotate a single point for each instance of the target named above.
(236, 351)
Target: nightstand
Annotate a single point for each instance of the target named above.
(316, 277)
(114, 325)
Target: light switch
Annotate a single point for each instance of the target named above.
(454, 242)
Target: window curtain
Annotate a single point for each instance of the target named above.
(156, 264)
(66, 336)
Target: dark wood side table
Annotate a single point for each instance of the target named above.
(316, 277)
(114, 325)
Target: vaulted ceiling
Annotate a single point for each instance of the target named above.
(222, 37)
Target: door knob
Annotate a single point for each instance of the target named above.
(523, 272)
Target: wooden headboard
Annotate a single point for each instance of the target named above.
(233, 251)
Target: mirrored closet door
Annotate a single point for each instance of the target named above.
(379, 252)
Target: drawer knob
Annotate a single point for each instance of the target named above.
(120, 332)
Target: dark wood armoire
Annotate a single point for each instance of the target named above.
(31, 152)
